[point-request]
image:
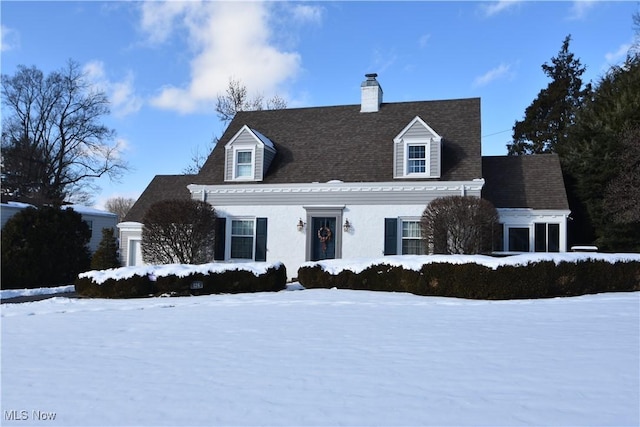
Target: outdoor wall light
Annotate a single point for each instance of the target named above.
(347, 226)
(300, 225)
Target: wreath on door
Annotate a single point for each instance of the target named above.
(324, 235)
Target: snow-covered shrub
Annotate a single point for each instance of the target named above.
(535, 279)
(182, 279)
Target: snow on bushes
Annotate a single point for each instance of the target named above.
(480, 277)
(182, 279)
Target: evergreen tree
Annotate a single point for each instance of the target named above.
(547, 120)
(106, 256)
(602, 154)
(44, 247)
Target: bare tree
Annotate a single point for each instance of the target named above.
(199, 157)
(459, 225)
(179, 231)
(119, 206)
(53, 142)
(235, 99)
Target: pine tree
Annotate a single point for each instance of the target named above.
(547, 120)
(106, 256)
(44, 247)
(600, 154)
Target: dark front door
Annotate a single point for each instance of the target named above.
(323, 238)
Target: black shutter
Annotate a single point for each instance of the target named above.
(261, 239)
(221, 236)
(391, 236)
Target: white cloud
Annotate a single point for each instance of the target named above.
(619, 55)
(121, 94)
(501, 71)
(9, 38)
(158, 18)
(228, 40)
(497, 7)
(580, 8)
(304, 13)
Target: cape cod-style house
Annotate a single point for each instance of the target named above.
(303, 184)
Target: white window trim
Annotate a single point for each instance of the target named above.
(237, 150)
(506, 237)
(426, 143)
(401, 220)
(227, 255)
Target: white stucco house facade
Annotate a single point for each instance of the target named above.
(297, 185)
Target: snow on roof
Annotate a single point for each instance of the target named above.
(415, 262)
(81, 209)
(180, 270)
(18, 205)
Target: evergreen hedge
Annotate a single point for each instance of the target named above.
(542, 279)
(143, 285)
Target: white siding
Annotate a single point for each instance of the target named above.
(98, 222)
(128, 231)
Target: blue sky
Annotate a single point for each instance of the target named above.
(162, 64)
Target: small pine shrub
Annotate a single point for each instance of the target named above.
(106, 256)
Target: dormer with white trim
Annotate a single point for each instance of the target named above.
(417, 152)
(248, 156)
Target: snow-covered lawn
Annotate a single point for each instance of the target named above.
(322, 357)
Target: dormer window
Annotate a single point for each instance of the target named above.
(417, 151)
(416, 159)
(244, 164)
(248, 156)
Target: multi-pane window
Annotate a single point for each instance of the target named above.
(519, 239)
(416, 159)
(243, 164)
(242, 239)
(547, 237)
(412, 238)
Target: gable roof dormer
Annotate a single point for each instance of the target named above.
(248, 156)
(417, 151)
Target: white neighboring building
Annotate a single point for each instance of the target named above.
(304, 184)
(96, 219)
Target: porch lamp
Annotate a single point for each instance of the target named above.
(300, 225)
(347, 226)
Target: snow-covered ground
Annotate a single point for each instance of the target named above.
(14, 293)
(322, 357)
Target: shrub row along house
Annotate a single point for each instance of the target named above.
(306, 184)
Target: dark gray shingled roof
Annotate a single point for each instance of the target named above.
(162, 187)
(524, 182)
(341, 143)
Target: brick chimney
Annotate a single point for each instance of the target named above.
(371, 94)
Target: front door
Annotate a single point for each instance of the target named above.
(323, 238)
